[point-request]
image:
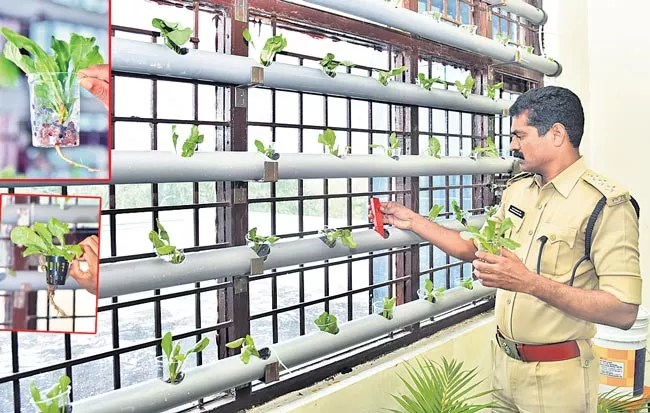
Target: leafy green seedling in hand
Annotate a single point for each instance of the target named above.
(56, 398)
(176, 359)
(504, 39)
(492, 90)
(266, 150)
(435, 211)
(9, 73)
(327, 322)
(189, 146)
(175, 34)
(162, 245)
(259, 240)
(248, 349)
(491, 210)
(468, 283)
(388, 306)
(329, 65)
(385, 76)
(393, 145)
(56, 77)
(432, 294)
(428, 83)
(328, 139)
(434, 147)
(465, 88)
(490, 150)
(492, 237)
(461, 215)
(344, 234)
(273, 45)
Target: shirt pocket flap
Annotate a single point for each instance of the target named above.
(557, 233)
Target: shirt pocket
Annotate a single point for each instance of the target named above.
(517, 222)
(558, 255)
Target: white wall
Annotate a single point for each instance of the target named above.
(605, 55)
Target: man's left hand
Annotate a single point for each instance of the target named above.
(505, 271)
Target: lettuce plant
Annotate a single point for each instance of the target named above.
(189, 146)
(174, 34)
(330, 237)
(267, 150)
(388, 306)
(492, 237)
(489, 151)
(175, 358)
(328, 139)
(329, 65)
(492, 90)
(384, 77)
(435, 211)
(327, 322)
(393, 145)
(248, 349)
(273, 45)
(465, 88)
(55, 400)
(460, 215)
(260, 241)
(162, 245)
(431, 294)
(434, 147)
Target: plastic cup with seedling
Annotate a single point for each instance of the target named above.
(174, 34)
(261, 244)
(429, 293)
(468, 283)
(491, 238)
(248, 349)
(56, 400)
(327, 323)
(384, 76)
(329, 65)
(393, 146)
(329, 237)
(427, 83)
(385, 307)
(54, 86)
(488, 151)
(469, 28)
(170, 364)
(190, 144)
(466, 88)
(268, 151)
(461, 216)
(273, 45)
(435, 211)
(492, 90)
(434, 147)
(55, 258)
(163, 247)
(504, 39)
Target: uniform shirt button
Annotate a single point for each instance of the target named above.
(509, 301)
(552, 237)
(540, 207)
(530, 232)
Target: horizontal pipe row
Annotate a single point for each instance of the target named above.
(72, 214)
(529, 12)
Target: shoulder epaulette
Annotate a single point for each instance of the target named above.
(614, 193)
(519, 177)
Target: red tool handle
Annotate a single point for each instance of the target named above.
(377, 216)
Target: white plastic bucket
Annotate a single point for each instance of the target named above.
(622, 356)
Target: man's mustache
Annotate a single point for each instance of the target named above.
(517, 154)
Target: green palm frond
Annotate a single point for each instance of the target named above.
(615, 401)
(441, 388)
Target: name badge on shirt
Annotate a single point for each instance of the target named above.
(518, 212)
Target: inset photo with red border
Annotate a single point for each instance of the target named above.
(49, 265)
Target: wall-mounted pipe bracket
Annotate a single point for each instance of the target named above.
(241, 97)
(270, 172)
(257, 78)
(257, 266)
(240, 284)
(271, 372)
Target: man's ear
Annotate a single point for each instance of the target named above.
(558, 134)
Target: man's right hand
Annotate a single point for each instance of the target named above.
(398, 215)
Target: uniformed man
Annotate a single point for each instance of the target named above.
(545, 311)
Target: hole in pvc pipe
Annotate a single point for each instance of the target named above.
(386, 234)
(265, 353)
(264, 251)
(275, 156)
(324, 239)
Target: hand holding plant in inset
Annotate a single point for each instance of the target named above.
(175, 359)
(175, 34)
(189, 146)
(273, 45)
(163, 246)
(329, 65)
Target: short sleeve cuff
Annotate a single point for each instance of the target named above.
(627, 288)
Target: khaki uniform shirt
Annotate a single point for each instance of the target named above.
(560, 210)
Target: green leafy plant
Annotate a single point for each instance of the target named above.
(328, 138)
(434, 14)
(189, 146)
(259, 240)
(39, 240)
(56, 87)
(468, 283)
(175, 358)
(431, 294)
(491, 210)
(329, 65)
(327, 322)
(175, 34)
(434, 147)
(492, 237)
(441, 388)
(615, 401)
(55, 400)
(266, 150)
(549, 58)
(273, 45)
(428, 83)
(492, 90)
(465, 88)
(504, 39)
(384, 77)
(9, 73)
(460, 215)
(248, 348)
(10, 173)
(490, 150)
(530, 49)
(469, 28)
(388, 306)
(163, 246)
(344, 234)
(435, 211)
(393, 145)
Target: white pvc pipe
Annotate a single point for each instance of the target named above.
(146, 274)
(34, 279)
(39, 10)
(73, 214)
(137, 167)
(133, 56)
(522, 9)
(382, 12)
(155, 396)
